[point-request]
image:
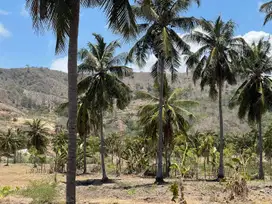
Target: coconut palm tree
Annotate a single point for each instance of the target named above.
(87, 120)
(175, 116)
(62, 16)
(9, 143)
(102, 88)
(37, 135)
(267, 9)
(159, 18)
(254, 95)
(212, 63)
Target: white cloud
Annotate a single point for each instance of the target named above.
(4, 32)
(255, 36)
(24, 12)
(3, 12)
(60, 64)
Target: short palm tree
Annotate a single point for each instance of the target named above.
(267, 9)
(160, 38)
(60, 147)
(86, 121)
(255, 94)
(175, 116)
(9, 143)
(212, 63)
(37, 135)
(103, 88)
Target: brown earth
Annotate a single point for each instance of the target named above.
(131, 189)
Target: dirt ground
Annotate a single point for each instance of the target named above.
(131, 189)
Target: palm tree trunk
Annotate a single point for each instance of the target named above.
(221, 147)
(261, 171)
(72, 98)
(159, 176)
(102, 148)
(84, 154)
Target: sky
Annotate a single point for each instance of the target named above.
(20, 45)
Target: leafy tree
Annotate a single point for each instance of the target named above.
(175, 116)
(37, 135)
(159, 18)
(62, 16)
(103, 88)
(9, 143)
(212, 63)
(254, 95)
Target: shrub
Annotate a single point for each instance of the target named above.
(41, 192)
(7, 190)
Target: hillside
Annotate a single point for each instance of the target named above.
(26, 92)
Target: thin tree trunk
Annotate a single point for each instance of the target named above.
(205, 175)
(166, 160)
(197, 168)
(72, 98)
(7, 161)
(261, 171)
(84, 156)
(159, 176)
(221, 147)
(15, 157)
(102, 149)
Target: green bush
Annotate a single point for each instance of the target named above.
(7, 190)
(41, 192)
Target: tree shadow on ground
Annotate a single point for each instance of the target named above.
(95, 182)
(200, 180)
(146, 185)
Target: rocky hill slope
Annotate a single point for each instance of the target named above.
(26, 91)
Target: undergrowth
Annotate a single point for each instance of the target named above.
(41, 192)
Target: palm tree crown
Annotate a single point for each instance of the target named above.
(267, 9)
(37, 135)
(160, 38)
(176, 117)
(254, 94)
(104, 85)
(212, 62)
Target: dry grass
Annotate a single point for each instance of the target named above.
(131, 189)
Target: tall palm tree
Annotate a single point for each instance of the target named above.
(102, 88)
(159, 20)
(9, 143)
(212, 63)
(254, 95)
(175, 116)
(62, 16)
(267, 9)
(37, 135)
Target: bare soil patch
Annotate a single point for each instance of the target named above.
(128, 189)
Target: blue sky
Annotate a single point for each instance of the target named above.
(20, 45)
